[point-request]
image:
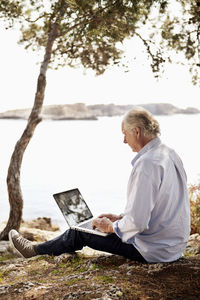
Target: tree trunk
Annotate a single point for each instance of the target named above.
(13, 177)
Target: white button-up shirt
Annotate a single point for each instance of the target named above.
(157, 214)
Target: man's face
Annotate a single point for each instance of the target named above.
(131, 138)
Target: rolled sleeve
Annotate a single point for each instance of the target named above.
(121, 229)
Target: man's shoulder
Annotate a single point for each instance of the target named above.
(157, 154)
(147, 163)
(155, 157)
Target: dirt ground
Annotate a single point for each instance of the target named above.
(102, 277)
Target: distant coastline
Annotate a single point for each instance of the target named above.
(81, 111)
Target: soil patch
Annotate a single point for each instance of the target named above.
(101, 277)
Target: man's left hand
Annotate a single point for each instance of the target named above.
(103, 224)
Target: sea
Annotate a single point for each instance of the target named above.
(89, 155)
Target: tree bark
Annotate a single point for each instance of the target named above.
(13, 177)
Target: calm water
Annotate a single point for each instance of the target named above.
(89, 155)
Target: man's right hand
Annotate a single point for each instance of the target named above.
(111, 217)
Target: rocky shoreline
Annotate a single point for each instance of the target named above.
(42, 229)
(90, 274)
(80, 111)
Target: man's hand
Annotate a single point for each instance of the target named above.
(111, 217)
(103, 224)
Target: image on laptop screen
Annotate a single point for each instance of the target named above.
(73, 207)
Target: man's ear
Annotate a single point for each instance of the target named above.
(138, 132)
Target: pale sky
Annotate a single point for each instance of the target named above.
(19, 73)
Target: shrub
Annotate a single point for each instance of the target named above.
(194, 196)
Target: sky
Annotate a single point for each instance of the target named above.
(20, 69)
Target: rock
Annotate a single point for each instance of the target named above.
(41, 223)
(91, 252)
(39, 230)
(4, 289)
(80, 111)
(193, 245)
(42, 229)
(77, 111)
(5, 248)
(63, 258)
(38, 235)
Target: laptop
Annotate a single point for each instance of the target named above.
(76, 212)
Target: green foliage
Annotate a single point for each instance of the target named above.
(88, 31)
(3, 275)
(71, 282)
(5, 257)
(178, 29)
(194, 193)
(95, 267)
(10, 10)
(105, 278)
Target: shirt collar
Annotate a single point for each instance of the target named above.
(155, 142)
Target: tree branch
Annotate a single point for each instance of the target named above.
(156, 59)
(40, 17)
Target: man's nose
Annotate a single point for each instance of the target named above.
(125, 141)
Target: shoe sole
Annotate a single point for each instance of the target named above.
(13, 246)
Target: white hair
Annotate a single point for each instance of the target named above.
(140, 117)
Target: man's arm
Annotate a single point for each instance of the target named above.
(142, 193)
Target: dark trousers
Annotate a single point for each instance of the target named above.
(72, 240)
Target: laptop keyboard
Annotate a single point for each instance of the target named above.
(87, 225)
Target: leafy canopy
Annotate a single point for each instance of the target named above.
(175, 30)
(89, 31)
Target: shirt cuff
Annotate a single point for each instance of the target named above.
(116, 229)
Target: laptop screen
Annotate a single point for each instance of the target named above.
(73, 207)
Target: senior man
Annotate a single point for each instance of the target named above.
(155, 225)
